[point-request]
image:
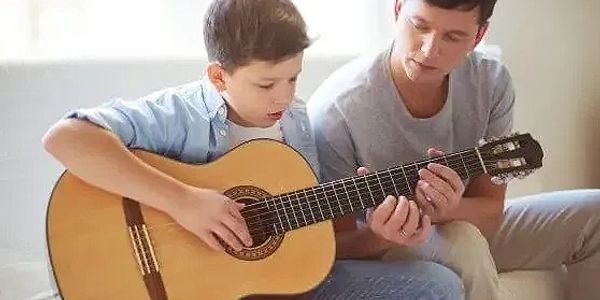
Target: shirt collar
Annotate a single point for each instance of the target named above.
(212, 98)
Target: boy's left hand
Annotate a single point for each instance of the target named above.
(439, 191)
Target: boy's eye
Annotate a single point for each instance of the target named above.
(294, 79)
(266, 86)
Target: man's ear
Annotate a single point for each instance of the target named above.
(481, 33)
(216, 75)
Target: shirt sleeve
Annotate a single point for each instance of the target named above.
(154, 123)
(501, 115)
(335, 148)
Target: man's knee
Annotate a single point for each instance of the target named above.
(463, 246)
(463, 237)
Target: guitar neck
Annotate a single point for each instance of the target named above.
(345, 196)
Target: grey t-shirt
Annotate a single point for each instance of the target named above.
(359, 119)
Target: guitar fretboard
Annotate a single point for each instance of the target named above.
(330, 200)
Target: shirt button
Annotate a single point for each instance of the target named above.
(222, 111)
(222, 132)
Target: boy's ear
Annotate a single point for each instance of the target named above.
(481, 33)
(216, 75)
(397, 7)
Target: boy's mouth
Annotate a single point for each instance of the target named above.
(275, 116)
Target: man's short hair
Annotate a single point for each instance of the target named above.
(486, 7)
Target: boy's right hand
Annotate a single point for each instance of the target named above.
(208, 213)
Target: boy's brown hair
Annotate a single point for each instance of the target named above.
(237, 32)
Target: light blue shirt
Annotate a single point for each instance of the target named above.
(189, 123)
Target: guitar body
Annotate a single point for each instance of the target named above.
(93, 253)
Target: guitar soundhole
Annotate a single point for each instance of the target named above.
(260, 223)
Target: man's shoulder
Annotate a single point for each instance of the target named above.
(483, 65)
(354, 80)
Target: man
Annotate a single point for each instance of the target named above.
(430, 91)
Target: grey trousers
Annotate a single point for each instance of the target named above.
(539, 232)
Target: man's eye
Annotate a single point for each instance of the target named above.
(452, 38)
(419, 26)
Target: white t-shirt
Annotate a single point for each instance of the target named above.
(240, 134)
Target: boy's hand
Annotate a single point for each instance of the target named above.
(207, 214)
(397, 220)
(440, 189)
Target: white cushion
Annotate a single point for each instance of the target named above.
(533, 285)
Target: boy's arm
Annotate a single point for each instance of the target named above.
(101, 158)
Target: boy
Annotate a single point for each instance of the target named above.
(255, 49)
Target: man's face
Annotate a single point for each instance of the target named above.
(431, 41)
(258, 93)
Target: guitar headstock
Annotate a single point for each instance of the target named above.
(517, 155)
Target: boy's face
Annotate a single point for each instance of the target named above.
(258, 93)
(431, 41)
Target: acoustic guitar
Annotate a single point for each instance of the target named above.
(105, 246)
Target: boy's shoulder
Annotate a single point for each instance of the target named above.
(195, 97)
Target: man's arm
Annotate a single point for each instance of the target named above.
(347, 235)
(482, 205)
(395, 222)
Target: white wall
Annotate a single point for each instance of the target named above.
(552, 49)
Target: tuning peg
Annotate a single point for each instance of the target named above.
(486, 140)
(502, 179)
(524, 174)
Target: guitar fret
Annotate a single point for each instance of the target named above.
(278, 216)
(327, 201)
(358, 193)
(393, 183)
(337, 199)
(406, 179)
(319, 204)
(348, 195)
(380, 185)
(310, 207)
(285, 214)
(464, 165)
(301, 209)
(370, 192)
(293, 211)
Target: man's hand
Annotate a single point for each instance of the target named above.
(439, 190)
(397, 220)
